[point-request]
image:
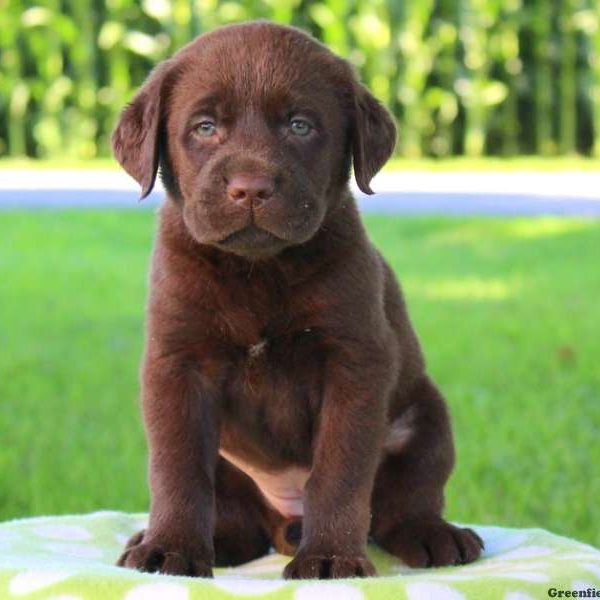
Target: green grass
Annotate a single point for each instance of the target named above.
(507, 310)
(519, 163)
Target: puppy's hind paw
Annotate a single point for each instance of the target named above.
(286, 537)
(432, 542)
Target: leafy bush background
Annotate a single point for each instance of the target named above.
(472, 77)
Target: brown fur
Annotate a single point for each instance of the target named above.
(276, 333)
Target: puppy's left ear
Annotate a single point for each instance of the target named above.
(135, 140)
(374, 137)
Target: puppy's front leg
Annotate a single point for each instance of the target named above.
(182, 432)
(337, 508)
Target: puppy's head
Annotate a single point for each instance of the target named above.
(254, 127)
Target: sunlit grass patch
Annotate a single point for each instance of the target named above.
(545, 227)
(466, 288)
(517, 228)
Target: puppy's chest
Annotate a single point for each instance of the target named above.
(269, 412)
(273, 350)
(274, 386)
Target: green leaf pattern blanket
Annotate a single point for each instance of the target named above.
(72, 558)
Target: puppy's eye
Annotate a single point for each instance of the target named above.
(205, 128)
(300, 127)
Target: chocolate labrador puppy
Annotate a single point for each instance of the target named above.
(283, 388)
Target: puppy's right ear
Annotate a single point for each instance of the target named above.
(135, 139)
(374, 137)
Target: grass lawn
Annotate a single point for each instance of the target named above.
(507, 310)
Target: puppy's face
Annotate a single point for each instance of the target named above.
(254, 127)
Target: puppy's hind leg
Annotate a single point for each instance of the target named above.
(247, 526)
(242, 528)
(408, 498)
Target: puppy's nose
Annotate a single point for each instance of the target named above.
(249, 190)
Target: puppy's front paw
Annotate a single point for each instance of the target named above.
(152, 556)
(431, 542)
(313, 566)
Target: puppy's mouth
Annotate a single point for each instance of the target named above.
(252, 241)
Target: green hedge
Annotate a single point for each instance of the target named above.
(474, 77)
